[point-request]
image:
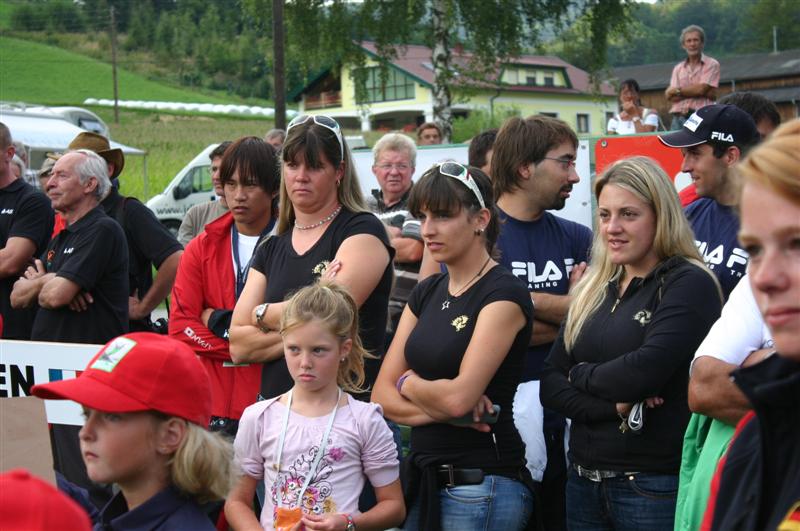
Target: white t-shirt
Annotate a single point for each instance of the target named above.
(625, 127)
(247, 244)
(739, 330)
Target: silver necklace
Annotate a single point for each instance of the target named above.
(320, 222)
(446, 303)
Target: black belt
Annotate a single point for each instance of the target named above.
(449, 476)
(599, 475)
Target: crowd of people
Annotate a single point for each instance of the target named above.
(641, 375)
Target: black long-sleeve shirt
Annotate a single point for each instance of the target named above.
(633, 347)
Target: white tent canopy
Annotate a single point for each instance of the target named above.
(46, 133)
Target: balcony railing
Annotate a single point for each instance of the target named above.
(323, 100)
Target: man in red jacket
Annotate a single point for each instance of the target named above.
(213, 271)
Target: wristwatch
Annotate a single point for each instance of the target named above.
(261, 311)
(351, 525)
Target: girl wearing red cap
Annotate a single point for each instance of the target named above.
(146, 402)
(313, 446)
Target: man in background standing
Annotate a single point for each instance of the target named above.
(197, 217)
(26, 221)
(694, 80)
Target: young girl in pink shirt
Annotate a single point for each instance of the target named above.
(313, 446)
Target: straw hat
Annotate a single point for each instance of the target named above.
(100, 145)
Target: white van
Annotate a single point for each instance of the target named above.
(191, 185)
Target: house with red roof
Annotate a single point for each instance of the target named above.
(403, 99)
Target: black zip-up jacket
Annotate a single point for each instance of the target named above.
(760, 483)
(633, 347)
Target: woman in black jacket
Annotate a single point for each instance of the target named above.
(634, 323)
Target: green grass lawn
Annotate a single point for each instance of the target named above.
(37, 73)
(171, 141)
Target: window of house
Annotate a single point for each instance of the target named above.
(609, 115)
(583, 123)
(530, 80)
(397, 86)
(549, 79)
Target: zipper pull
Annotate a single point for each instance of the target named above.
(496, 450)
(616, 302)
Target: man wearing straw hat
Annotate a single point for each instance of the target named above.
(150, 244)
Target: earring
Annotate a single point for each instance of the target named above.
(478, 232)
(338, 182)
(341, 360)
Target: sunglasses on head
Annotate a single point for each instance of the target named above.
(460, 173)
(320, 119)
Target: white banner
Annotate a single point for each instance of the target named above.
(25, 363)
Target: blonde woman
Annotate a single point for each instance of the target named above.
(758, 484)
(634, 323)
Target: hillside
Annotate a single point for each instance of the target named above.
(38, 73)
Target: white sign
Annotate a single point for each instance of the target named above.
(25, 363)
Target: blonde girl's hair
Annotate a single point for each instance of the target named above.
(314, 144)
(644, 178)
(203, 466)
(776, 162)
(331, 304)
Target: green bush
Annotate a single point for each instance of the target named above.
(480, 120)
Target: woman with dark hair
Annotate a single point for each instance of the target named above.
(632, 118)
(324, 228)
(635, 320)
(448, 371)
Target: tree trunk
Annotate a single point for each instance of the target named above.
(442, 68)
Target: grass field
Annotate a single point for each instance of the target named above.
(171, 141)
(37, 73)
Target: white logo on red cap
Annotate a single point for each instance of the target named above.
(693, 122)
(113, 354)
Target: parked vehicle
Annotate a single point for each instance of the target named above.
(190, 186)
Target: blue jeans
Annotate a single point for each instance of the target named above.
(625, 503)
(497, 503)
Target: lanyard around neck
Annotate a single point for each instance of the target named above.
(242, 272)
(322, 445)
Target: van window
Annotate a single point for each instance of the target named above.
(200, 177)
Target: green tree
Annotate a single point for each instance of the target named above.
(329, 31)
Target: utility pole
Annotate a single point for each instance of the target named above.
(278, 70)
(114, 64)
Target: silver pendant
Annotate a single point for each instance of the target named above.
(446, 304)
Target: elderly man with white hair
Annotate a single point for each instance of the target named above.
(81, 287)
(395, 158)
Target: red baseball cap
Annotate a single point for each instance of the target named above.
(141, 371)
(28, 503)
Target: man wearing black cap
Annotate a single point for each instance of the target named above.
(150, 244)
(713, 140)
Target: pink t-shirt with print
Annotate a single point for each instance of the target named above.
(360, 444)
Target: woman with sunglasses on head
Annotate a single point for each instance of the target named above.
(456, 356)
(635, 320)
(324, 228)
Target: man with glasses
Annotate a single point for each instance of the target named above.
(533, 171)
(395, 157)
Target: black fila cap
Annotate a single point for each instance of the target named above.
(726, 124)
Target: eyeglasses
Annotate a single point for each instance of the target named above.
(461, 173)
(398, 167)
(565, 163)
(320, 119)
